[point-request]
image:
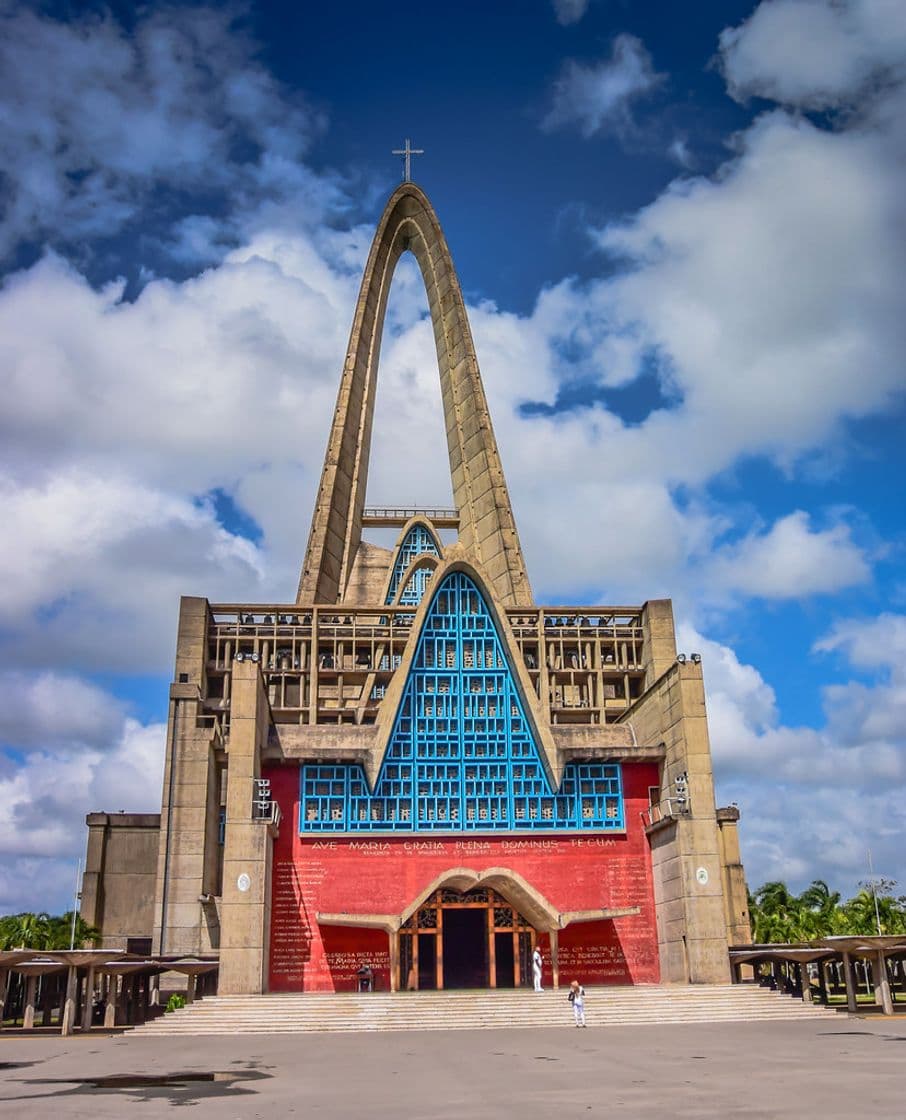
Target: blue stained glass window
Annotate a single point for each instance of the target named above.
(416, 542)
(462, 756)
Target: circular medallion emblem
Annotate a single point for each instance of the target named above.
(702, 876)
(243, 882)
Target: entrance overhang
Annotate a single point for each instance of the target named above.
(520, 894)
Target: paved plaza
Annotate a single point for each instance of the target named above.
(844, 1068)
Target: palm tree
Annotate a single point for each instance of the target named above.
(61, 932)
(819, 909)
(775, 914)
(43, 932)
(862, 918)
(26, 931)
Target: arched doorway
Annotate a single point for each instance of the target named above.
(465, 939)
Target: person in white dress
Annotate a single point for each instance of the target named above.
(536, 969)
(577, 999)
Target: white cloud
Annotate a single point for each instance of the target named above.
(813, 799)
(48, 709)
(126, 113)
(765, 290)
(870, 643)
(91, 569)
(599, 96)
(43, 803)
(159, 383)
(815, 54)
(791, 560)
(874, 712)
(570, 11)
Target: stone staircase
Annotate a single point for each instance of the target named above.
(477, 1010)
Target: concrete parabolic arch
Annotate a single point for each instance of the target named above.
(487, 528)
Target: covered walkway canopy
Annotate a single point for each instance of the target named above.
(128, 984)
(876, 949)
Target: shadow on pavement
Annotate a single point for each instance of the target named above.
(177, 1088)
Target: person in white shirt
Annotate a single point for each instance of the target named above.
(577, 998)
(536, 969)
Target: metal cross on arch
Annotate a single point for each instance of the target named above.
(408, 152)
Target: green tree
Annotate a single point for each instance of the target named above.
(861, 917)
(819, 910)
(86, 936)
(26, 931)
(43, 932)
(775, 914)
(779, 916)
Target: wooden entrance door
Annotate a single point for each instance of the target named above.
(484, 942)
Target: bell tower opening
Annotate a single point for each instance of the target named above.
(408, 425)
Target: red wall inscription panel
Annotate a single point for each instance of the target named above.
(382, 875)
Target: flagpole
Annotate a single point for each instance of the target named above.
(75, 903)
(874, 893)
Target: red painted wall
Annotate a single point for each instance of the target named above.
(383, 875)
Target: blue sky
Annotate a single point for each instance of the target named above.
(680, 235)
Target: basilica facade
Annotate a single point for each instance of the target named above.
(412, 774)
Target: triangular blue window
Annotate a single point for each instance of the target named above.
(462, 755)
(416, 542)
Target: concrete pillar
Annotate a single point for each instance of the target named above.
(110, 1002)
(248, 846)
(393, 939)
(736, 897)
(122, 997)
(4, 987)
(88, 1005)
(91, 897)
(822, 982)
(805, 983)
(687, 856)
(882, 984)
(555, 957)
(69, 1001)
(850, 981)
(48, 987)
(28, 1016)
(155, 990)
(140, 1012)
(189, 852)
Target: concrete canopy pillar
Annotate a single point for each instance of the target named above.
(111, 1001)
(849, 981)
(47, 988)
(805, 983)
(28, 1016)
(87, 1005)
(69, 1002)
(883, 997)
